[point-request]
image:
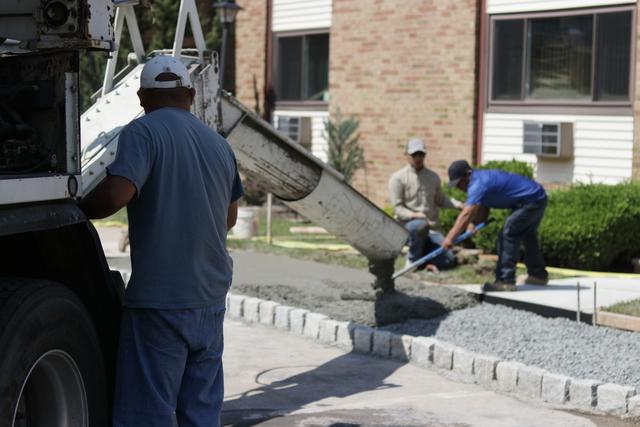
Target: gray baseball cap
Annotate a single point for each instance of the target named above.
(416, 145)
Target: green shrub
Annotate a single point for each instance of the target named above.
(589, 226)
(345, 153)
(513, 166)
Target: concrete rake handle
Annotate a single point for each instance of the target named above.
(440, 250)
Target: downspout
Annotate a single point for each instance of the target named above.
(482, 78)
(268, 70)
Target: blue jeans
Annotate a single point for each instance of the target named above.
(169, 368)
(422, 241)
(521, 227)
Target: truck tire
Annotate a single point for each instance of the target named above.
(51, 366)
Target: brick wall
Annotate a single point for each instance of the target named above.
(405, 68)
(251, 24)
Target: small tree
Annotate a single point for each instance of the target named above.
(345, 153)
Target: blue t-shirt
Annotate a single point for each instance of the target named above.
(186, 177)
(502, 190)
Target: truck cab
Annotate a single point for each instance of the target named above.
(59, 302)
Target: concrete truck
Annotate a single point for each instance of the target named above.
(60, 303)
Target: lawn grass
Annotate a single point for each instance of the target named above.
(630, 308)
(350, 260)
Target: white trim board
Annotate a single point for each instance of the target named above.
(294, 15)
(37, 189)
(521, 6)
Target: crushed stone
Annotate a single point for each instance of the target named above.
(558, 345)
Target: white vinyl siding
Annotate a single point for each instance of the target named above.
(519, 6)
(319, 145)
(295, 15)
(603, 147)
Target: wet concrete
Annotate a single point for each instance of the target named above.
(338, 292)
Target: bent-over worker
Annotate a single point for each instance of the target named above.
(502, 190)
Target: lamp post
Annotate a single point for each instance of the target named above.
(227, 11)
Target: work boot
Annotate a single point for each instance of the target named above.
(498, 286)
(526, 279)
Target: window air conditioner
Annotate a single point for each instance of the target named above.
(548, 139)
(298, 129)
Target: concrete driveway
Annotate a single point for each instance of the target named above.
(277, 379)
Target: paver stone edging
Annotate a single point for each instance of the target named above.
(510, 377)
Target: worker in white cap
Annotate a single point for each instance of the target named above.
(416, 196)
(180, 183)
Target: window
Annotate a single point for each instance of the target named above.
(302, 72)
(580, 58)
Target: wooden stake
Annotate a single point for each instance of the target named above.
(269, 207)
(578, 307)
(595, 304)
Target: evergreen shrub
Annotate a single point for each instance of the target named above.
(590, 226)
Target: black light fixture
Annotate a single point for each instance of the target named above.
(226, 11)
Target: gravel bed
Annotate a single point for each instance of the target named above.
(558, 345)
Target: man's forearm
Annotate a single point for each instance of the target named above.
(109, 197)
(462, 221)
(96, 208)
(450, 203)
(403, 213)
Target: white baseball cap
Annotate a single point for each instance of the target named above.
(164, 64)
(415, 145)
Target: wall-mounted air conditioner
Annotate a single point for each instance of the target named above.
(548, 139)
(298, 129)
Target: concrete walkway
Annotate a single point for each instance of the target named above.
(278, 379)
(562, 293)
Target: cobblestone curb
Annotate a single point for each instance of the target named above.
(509, 377)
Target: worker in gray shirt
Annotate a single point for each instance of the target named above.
(416, 196)
(180, 183)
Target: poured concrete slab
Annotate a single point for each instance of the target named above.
(562, 294)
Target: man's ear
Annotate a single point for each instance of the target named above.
(192, 95)
(141, 97)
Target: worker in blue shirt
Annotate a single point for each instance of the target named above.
(502, 190)
(179, 180)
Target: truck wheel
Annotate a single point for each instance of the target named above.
(51, 366)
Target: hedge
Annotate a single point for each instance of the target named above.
(587, 226)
